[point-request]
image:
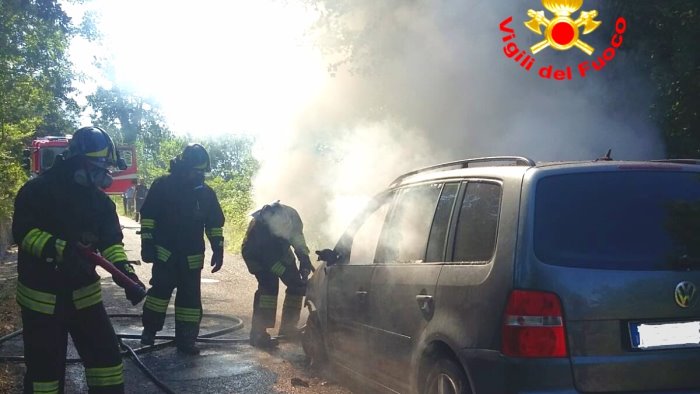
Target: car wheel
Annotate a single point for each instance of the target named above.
(446, 377)
(313, 342)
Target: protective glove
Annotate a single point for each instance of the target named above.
(72, 264)
(305, 267)
(217, 259)
(134, 295)
(148, 252)
(327, 255)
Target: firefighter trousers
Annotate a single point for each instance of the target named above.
(184, 275)
(265, 301)
(45, 341)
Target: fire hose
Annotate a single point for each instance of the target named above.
(119, 277)
(130, 285)
(168, 340)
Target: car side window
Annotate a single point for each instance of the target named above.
(477, 225)
(405, 237)
(365, 238)
(441, 222)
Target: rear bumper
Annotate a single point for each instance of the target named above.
(652, 371)
(491, 372)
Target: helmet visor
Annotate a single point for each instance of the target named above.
(101, 162)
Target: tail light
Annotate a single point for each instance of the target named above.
(533, 325)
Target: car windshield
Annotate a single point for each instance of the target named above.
(636, 220)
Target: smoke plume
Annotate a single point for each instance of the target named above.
(428, 82)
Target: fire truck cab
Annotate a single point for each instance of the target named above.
(43, 151)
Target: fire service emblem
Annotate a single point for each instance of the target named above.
(562, 32)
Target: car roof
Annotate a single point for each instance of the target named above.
(516, 167)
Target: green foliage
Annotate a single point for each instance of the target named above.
(35, 81)
(662, 37)
(133, 120)
(233, 168)
(154, 159)
(127, 117)
(236, 201)
(232, 159)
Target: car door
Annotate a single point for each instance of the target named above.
(349, 287)
(408, 262)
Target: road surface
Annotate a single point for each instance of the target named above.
(220, 368)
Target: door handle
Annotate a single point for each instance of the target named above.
(361, 298)
(426, 304)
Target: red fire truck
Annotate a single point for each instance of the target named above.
(44, 150)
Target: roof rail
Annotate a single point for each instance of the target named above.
(517, 160)
(679, 161)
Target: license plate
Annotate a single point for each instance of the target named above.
(648, 336)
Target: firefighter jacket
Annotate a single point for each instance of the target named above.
(266, 247)
(51, 212)
(175, 216)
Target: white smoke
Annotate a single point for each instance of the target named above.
(428, 83)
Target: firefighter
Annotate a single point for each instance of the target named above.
(59, 292)
(267, 254)
(178, 210)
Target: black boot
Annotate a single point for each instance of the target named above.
(188, 348)
(185, 336)
(289, 332)
(261, 339)
(148, 337)
(288, 324)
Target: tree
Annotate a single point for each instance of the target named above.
(128, 116)
(665, 34)
(232, 158)
(154, 160)
(35, 81)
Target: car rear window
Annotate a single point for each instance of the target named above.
(634, 220)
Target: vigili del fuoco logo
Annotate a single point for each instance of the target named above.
(561, 32)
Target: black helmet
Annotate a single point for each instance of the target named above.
(94, 144)
(281, 219)
(194, 157)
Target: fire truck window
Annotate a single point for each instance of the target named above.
(126, 155)
(47, 158)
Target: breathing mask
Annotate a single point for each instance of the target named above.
(92, 174)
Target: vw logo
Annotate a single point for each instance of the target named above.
(685, 294)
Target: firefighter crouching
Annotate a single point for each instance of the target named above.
(178, 210)
(59, 292)
(266, 252)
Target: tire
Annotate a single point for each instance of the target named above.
(446, 377)
(313, 343)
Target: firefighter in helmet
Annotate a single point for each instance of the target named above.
(57, 213)
(178, 209)
(267, 254)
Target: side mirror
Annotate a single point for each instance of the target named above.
(27, 164)
(328, 255)
(26, 153)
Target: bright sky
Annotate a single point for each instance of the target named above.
(215, 66)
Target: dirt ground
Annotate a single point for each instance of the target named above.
(10, 374)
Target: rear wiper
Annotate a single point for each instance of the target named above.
(685, 262)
